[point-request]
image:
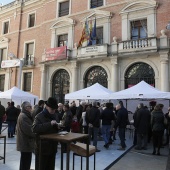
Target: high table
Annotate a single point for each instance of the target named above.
(68, 139)
(3, 157)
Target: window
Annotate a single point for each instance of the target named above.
(6, 27)
(96, 74)
(3, 53)
(138, 72)
(27, 81)
(63, 8)
(99, 35)
(2, 82)
(31, 21)
(29, 53)
(62, 40)
(138, 29)
(96, 3)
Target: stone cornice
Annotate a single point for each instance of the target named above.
(139, 5)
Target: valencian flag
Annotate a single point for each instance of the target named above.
(85, 36)
(92, 40)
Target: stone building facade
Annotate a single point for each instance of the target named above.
(132, 44)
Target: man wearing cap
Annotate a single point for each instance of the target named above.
(45, 123)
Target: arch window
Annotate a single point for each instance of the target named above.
(60, 85)
(138, 72)
(94, 75)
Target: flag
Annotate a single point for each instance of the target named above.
(94, 33)
(85, 36)
(90, 33)
(92, 40)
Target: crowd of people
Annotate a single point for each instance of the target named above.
(90, 118)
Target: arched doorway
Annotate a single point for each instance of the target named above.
(138, 72)
(96, 74)
(60, 85)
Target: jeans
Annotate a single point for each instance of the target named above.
(106, 133)
(122, 137)
(93, 131)
(11, 125)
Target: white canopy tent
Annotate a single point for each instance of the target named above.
(18, 96)
(141, 93)
(141, 90)
(94, 92)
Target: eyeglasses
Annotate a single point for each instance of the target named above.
(29, 106)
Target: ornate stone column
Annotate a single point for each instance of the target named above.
(114, 73)
(74, 76)
(43, 82)
(164, 71)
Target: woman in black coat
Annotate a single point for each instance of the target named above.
(157, 124)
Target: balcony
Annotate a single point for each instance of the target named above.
(28, 61)
(93, 51)
(145, 45)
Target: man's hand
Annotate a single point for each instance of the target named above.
(53, 122)
(90, 125)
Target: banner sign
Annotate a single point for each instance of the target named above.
(10, 63)
(56, 53)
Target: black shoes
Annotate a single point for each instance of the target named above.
(97, 150)
(106, 145)
(154, 152)
(138, 148)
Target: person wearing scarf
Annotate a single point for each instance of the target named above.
(25, 136)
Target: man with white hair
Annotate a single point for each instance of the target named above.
(60, 111)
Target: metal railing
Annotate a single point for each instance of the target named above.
(28, 60)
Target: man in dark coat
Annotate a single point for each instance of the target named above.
(2, 113)
(107, 116)
(141, 123)
(60, 111)
(45, 123)
(93, 122)
(38, 109)
(80, 109)
(122, 121)
(12, 115)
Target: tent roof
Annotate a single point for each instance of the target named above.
(15, 93)
(95, 91)
(141, 90)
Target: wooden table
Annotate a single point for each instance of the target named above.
(68, 139)
(3, 157)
